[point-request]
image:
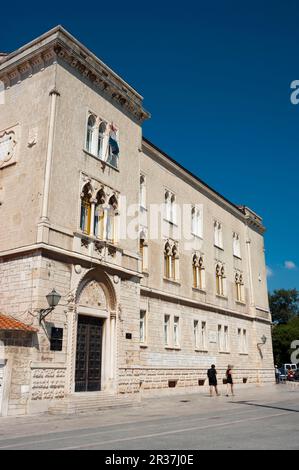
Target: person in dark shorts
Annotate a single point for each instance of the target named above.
(229, 381)
(212, 376)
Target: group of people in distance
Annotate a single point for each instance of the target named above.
(212, 376)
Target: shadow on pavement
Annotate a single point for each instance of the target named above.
(264, 406)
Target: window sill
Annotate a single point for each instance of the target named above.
(145, 273)
(103, 162)
(197, 236)
(219, 247)
(237, 257)
(171, 222)
(224, 297)
(143, 345)
(224, 352)
(201, 350)
(171, 281)
(173, 348)
(198, 289)
(243, 354)
(240, 302)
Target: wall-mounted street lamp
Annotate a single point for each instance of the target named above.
(263, 341)
(53, 299)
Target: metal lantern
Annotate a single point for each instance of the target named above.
(53, 298)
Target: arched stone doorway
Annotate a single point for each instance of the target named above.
(95, 337)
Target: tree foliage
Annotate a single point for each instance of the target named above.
(284, 305)
(282, 337)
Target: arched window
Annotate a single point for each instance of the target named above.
(101, 137)
(113, 147)
(196, 222)
(220, 277)
(90, 132)
(198, 272)
(111, 219)
(236, 245)
(85, 215)
(171, 259)
(218, 238)
(99, 214)
(239, 287)
(143, 247)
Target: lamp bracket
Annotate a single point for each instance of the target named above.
(44, 312)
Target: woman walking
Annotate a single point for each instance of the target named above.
(212, 376)
(229, 381)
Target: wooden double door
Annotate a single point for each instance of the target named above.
(89, 354)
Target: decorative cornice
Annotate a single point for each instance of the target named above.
(58, 46)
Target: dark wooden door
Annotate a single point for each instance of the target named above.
(88, 354)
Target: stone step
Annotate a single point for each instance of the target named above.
(82, 404)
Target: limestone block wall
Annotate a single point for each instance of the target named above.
(187, 365)
(18, 350)
(128, 337)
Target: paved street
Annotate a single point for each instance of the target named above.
(256, 418)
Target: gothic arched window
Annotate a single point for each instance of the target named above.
(85, 214)
(91, 124)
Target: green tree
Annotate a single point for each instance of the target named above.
(284, 305)
(282, 337)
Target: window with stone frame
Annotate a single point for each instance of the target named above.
(142, 328)
(196, 221)
(143, 249)
(142, 191)
(239, 287)
(198, 271)
(106, 217)
(171, 260)
(167, 330)
(170, 207)
(85, 210)
(102, 140)
(220, 280)
(176, 331)
(236, 245)
(218, 234)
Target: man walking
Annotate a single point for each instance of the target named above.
(212, 376)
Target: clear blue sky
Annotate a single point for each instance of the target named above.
(216, 78)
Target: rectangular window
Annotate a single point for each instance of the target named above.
(218, 236)
(196, 221)
(176, 331)
(225, 336)
(244, 341)
(204, 335)
(236, 245)
(196, 333)
(220, 338)
(170, 207)
(142, 326)
(142, 191)
(239, 340)
(166, 329)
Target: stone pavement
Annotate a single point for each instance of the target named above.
(257, 417)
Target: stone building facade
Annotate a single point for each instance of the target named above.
(159, 275)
